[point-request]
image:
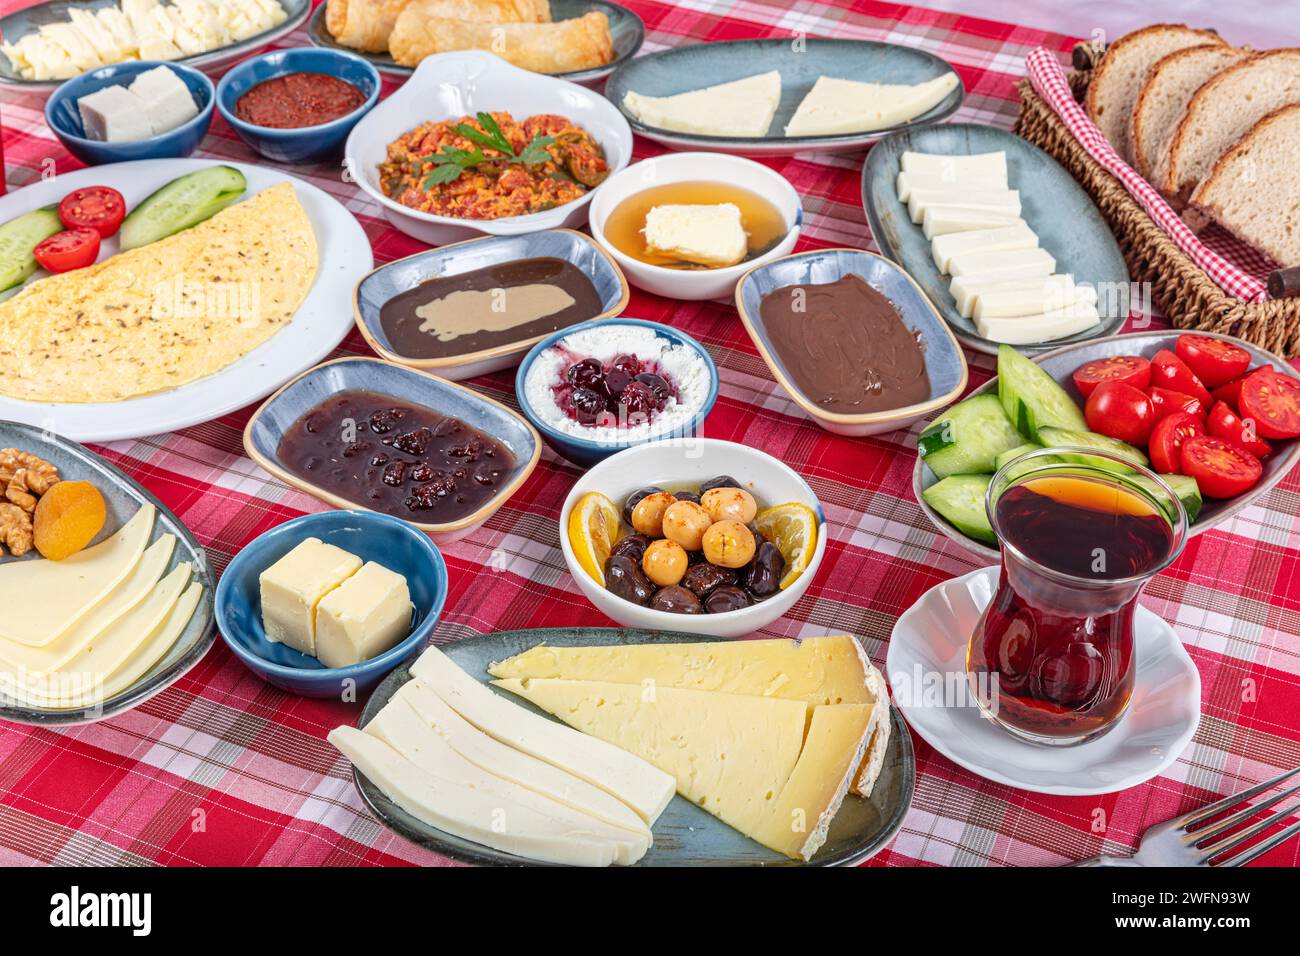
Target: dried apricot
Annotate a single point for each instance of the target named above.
(67, 517)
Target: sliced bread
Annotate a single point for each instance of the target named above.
(1118, 78)
(1163, 99)
(1254, 188)
(1223, 111)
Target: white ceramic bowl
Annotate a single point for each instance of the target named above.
(451, 85)
(695, 167)
(687, 460)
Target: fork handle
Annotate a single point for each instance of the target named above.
(1116, 861)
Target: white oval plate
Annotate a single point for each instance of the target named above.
(317, 327)
(928, 646)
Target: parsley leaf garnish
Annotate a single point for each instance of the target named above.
(450, 161)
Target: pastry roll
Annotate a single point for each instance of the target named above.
(558, 47)
(367, 24)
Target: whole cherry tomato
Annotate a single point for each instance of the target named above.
(1120, 411)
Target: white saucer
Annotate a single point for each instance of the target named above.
(929, 646)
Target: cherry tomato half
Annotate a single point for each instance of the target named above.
(1225, 424)
(1221, 469)
(1214, 361)
(1129, 369)
(1272, 401)
(1166, 401)
(67, 250)
(1167, 440)
(1169, 371)
(1230, 393)
(1120, 411)
(101, 208)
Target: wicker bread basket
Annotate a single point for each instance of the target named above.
(1180, 289)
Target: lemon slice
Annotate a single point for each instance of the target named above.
(593, 532)
(792, 527)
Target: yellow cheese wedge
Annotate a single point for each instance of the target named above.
(40, 660)
(730, 754)
(802, 814)
(43, 600)
(835, 106)
(816, 670)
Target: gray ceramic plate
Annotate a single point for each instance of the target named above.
(1068, 225)
(17, 25)
(1062, 362)
(693, 67)
(625, 27)
(123, 497)
(685, 835)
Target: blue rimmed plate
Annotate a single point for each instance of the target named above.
(945, 365)
(684, 834)
(394, 278)
(800, 60)
(311, 388)
(123, 497)
(1068, 224)
(626, 30)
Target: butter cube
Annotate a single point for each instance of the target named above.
(167, 99)
(711, 235)
(293, 586)
(363, 617)
(114, 115)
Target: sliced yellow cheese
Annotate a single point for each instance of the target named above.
(730, 754)
(834, 106)
(43, 600)
(816, 670)
(40, 660)
(398, 725)
(801, 815)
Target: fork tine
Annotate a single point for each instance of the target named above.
(1259, 849)
(1241, 836)
(1213, 829)
(1195, 816)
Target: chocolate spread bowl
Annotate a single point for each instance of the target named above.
(914, 320)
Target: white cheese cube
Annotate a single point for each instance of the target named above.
(1017, 236)
(966, 289)
(292, 588)
(1029, 329)
(1031, 300)
(742, 107)
(114, 115)
(362, 617)
(973, 199)
(906, 182)
(710, 235)
(166, 99)
(958, 167)
(941, 220)
(1012, 264)
(835, 107)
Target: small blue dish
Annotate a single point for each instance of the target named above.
(64, 119)
(397, 545)
(586, 452)
(308, 142)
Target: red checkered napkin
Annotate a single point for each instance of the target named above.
(1237, 268)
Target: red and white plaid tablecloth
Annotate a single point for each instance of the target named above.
(224, 769)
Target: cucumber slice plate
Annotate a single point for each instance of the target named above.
(183, 202)
(967, 438)
(960, 500)
(1032, 399)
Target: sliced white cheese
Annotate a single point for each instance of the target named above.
(1031, 300)
(740, 108)
(1011, 264)
(906, 182)
(711, 235)
(956, 167)
(1029, 329)
(973, 199)
(965, 289)
(643, 787)
(941, 220)
(114, 115)
(835, 107)
(464, 811)
(167, 101)
(1002, 239)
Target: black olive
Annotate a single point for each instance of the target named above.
(722, 481)
(726, 597)
(763, 574)
(703, 578)
(633, 545)
(634, 498)
(687, 496)
(676, 600)
(624, 578)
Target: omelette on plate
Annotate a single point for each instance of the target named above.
(165, 314)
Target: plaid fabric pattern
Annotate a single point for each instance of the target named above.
(224, 769)
(1235, 267)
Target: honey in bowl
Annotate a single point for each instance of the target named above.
(762, 222)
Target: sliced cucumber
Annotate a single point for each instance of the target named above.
(18, 237)
(1184, 486)
(960, 499)
(967, 438)
(1032, 399)
(1013, 454)
(182, 203)
(1038, 461)
(1085, 439)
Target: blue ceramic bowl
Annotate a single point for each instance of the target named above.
(309, 142)
(586, 452)
(394, 543)
(64, 119)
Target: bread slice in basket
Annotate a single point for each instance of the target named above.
(1254, 188)
(1118, 78)
(1163, 100)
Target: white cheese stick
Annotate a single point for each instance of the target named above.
(941, 220)
(1030, 329)
(1015, 236)
(906, 182)
(1031, 300)
(956, 167)
(973, 199)
(1012, 264)
(965, 289)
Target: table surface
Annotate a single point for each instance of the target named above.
(224, 769)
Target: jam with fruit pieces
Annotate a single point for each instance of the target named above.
(623, 394)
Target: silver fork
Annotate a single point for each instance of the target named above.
(1180, 842)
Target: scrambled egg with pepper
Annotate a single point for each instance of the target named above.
(497, 187)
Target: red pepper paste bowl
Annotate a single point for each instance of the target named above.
(295, 117)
